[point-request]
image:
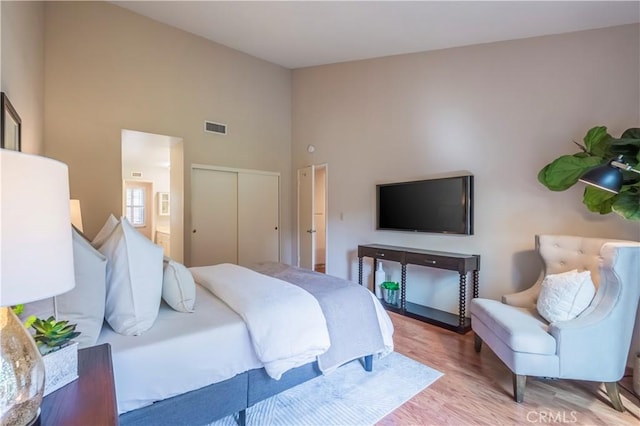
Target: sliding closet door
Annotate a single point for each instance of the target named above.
(235, 216)
(214, 217)
(258, 218)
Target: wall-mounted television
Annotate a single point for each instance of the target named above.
(442, 205)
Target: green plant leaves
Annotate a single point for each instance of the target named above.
(599, 149)
(564, 172)
(627, 205)
(390, 285)
(598, 201)
(596, 141)
(52, 334)
(628, 145)
(632, 133)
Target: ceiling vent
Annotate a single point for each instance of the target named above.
(217, 128)
(136, 174)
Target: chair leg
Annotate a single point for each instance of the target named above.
(477, 343)
(519, 382)
(614, 395)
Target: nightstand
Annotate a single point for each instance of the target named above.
(89, 400)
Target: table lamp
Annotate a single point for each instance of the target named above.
(76, 214)
(36, 262)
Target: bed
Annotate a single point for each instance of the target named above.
(194, 368)
(191, 353)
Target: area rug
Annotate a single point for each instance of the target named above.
(349, 396)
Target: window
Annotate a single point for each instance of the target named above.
(135, 206)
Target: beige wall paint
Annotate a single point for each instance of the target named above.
(501, 111)
(109, 69)
(22, 74)
(1, 85)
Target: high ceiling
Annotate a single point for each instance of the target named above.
(298, 34)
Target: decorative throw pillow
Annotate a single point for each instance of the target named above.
(564, 296)
(106, 230)
(84, 305)
(134, 280)
(178, 286)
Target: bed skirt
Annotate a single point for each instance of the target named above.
(213, 402)
(198, 407)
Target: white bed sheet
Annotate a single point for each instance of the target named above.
(386, 326)
(180, 353)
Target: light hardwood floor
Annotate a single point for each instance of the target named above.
(476, 389)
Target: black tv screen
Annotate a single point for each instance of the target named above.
(435, 205)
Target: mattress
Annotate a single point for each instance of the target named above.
(180, 353)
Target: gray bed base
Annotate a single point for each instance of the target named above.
(213, 402)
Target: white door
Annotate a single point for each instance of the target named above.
(214, 217)
(258, 218)
(306, 225)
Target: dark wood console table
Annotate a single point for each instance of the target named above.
(462, 263)
(89, 400)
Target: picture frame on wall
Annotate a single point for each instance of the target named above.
(10, 125)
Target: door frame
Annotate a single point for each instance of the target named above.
(325, 166)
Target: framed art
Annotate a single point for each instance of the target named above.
(10, 126)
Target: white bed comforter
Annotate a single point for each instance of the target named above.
(286, 323)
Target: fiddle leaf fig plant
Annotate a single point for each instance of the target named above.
(599, 148)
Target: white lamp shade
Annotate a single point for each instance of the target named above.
(76, 214)
(36, 252)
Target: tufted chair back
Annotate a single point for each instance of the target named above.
(562, 253)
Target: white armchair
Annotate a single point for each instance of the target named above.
(593, 346)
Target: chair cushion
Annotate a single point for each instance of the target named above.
(519, 328)
(564, 296)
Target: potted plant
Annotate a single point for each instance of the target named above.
(52, 335)
(600, 148)
(390, 292)
(59, 352)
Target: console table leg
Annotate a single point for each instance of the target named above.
(360, 270)
(403, 286)
(476, 282)
(462, 300)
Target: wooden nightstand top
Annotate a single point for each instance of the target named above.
(89, 400)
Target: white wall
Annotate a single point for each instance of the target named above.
(501, 111)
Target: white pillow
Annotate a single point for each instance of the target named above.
(178, 286)
(564, 296)
(84, 305)
(106, 230)
(134, 280)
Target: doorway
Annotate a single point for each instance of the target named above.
(312, 217)
(154, 164)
